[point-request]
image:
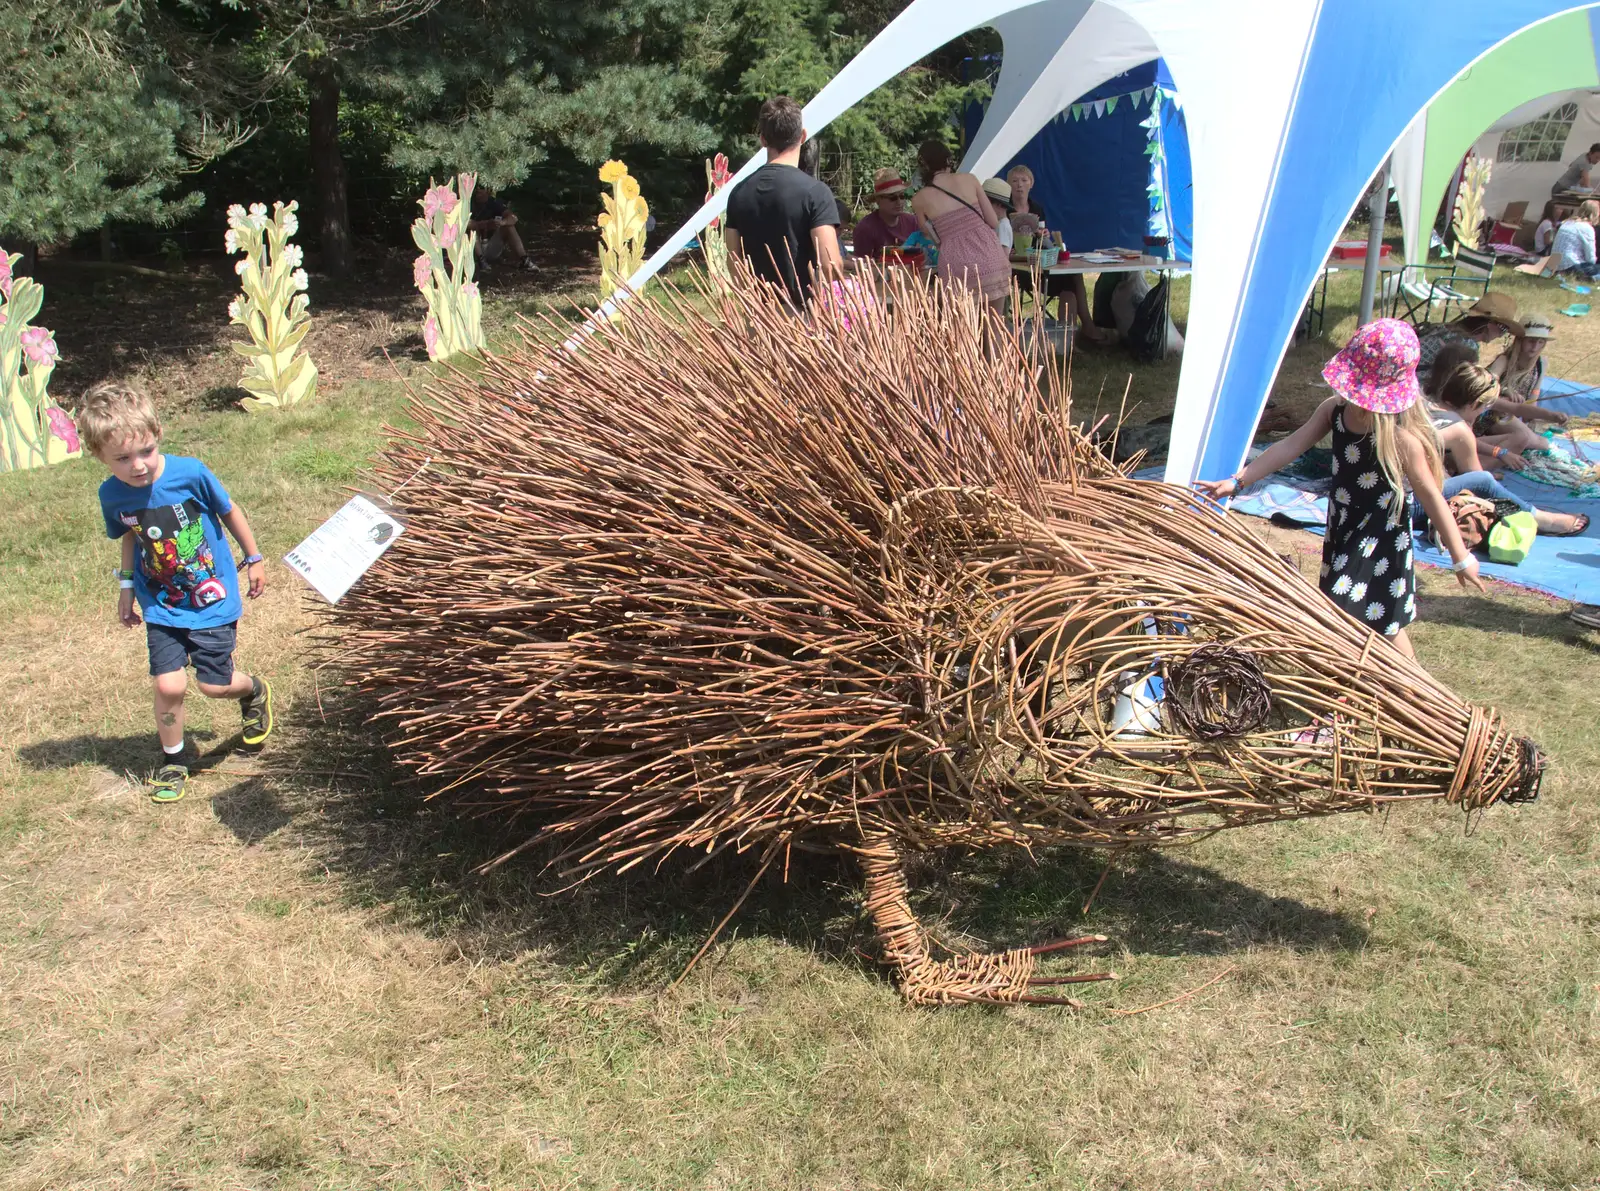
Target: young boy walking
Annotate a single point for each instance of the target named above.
(168, 512)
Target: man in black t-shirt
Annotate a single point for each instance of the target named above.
(781, 219)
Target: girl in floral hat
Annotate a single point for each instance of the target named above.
(1382, 443)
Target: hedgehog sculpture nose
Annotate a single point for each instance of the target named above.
(1495, 766)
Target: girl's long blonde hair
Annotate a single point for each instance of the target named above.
(1386, 431)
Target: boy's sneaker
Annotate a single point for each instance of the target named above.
(166, 783)
(255, 710)
(528, 266)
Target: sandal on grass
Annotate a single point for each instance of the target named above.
(166, 783)
(1588, 615)
(1581, 524)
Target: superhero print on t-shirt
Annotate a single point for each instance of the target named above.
(175, 556)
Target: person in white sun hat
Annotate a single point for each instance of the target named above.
(1520, 368)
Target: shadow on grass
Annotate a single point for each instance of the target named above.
(417, 860)
(1490, 615)
(137, 753)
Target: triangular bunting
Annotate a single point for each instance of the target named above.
(1099, 107)
(1077, 111)
(1111, 105)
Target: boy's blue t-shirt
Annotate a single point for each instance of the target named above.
(184, 573)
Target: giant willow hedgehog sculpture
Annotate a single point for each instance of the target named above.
(734, 579)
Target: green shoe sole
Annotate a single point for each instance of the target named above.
(167, 783)
(257, 716)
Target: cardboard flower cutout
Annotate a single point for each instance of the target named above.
(272, 306)
(444, 272)
(34, 432)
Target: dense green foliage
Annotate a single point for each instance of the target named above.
(530, 94)
(87, 134)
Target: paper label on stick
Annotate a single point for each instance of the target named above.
(344, 547)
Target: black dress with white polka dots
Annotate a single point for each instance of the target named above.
(1366, 556)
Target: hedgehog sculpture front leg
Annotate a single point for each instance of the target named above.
(995, 978)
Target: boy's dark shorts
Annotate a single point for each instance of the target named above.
(211, 651)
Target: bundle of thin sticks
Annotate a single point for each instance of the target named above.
(724, 577)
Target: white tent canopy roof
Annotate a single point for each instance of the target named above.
(1279, 159)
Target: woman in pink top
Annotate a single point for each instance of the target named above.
(888, 225)
(953, 211)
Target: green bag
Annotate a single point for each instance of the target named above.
(1512, 537)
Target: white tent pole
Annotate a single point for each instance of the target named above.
(1376, 210)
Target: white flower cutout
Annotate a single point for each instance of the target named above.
(1339, 561)
(1380, 567)
(1391, 628)
(1342, 495)
(1376, 611)
(1398, 587)
(1352, 453)
(1368, 479)
(1358, 593)
(1341, 585)
(1383, 501)
(1368, 545)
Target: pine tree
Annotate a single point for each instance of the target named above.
(88, 131)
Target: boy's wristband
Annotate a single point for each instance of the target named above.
(1499, 452)
(251, 560)
(1458, 567)
(118, 573)
(125, 584)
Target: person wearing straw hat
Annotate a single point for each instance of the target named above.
(1382, 441)
(1520, 368)
(999, 192)
(1488, 319)
(890, 221)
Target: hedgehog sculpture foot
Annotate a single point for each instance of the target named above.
(996, 978)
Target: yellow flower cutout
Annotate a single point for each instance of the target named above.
(605, 219)
(612, 170)
(629, 186)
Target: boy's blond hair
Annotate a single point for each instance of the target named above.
(114, 412)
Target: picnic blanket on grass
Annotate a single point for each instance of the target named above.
(1564, 567)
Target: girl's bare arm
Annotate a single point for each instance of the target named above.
(1285, 450)
(1414, 461)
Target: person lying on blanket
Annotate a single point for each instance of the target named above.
(1451, 408)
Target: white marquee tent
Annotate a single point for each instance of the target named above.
(1292, 106)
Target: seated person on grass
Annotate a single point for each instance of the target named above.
(1520, 368)
(496, 226)
(1452, 402)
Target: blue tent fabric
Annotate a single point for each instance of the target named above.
(1091, 175)
(1315, 189)
(1564, 567)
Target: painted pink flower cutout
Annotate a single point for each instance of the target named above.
(438, 200)
(39, 346)
(5, 273)
(430, 336)
(422, 272)
(469, 289)
(61, 426)
(449, 236)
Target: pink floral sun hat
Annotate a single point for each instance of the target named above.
(1377, 369)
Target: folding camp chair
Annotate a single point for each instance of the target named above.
(1463, 282)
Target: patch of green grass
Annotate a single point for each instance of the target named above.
(298, 977)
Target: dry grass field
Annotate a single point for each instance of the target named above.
(293, 979)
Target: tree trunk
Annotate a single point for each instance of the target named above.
(327, 168)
